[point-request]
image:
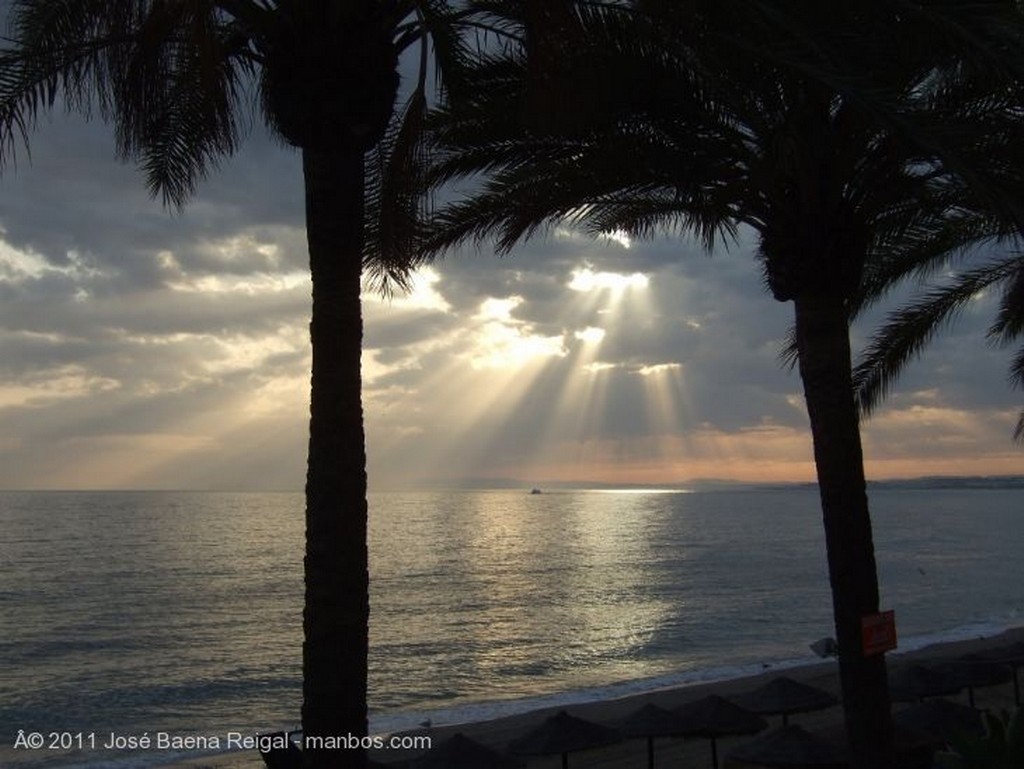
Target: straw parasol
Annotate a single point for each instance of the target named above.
(912, 683)
(977, 671)
(460, 752)
(564, 734)
(651, 721)
(784, 696)
(790, 747)
(712, 717)
(914, 747)
(1012, 655)
(939, 720)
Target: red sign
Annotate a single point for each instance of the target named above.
(878, 632)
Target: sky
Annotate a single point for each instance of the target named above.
(144, 348)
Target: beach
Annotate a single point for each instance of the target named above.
(695, 752)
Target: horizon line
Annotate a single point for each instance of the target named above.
(511, 484)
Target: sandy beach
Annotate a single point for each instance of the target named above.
(678, 752)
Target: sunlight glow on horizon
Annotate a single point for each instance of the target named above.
(645, 490)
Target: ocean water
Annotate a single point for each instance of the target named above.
(177, 616)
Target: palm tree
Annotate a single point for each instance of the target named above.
(176, 78)
(715, 115)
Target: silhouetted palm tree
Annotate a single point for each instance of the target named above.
(833, 130)
(177, 78)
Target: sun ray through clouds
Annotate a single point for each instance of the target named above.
(579, 442)
(472, 379)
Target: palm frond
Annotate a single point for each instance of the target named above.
(1017, 380)
(57, 48)
(487, 214)
(187, 65)
(396, 201)
(397, 196)
(907, 331)
(167, 75)
(635, 155)
(1016, 377)
(917, 246)
(1009, 323)
(1009, 327)
(1017, 370)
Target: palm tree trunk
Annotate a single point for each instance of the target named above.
(823, 341)
(336, 617)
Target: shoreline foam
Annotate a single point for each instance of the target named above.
(388, 723)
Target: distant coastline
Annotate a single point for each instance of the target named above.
(928, 482)
(955, 482)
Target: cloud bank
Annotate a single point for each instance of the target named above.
(146, 348)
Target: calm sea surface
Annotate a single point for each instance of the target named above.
(180, 613)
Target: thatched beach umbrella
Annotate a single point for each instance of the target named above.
(563, 734)
(1012, 655)
(461, 752)
(914, 747)
(975, 671)
(790, 747)
(939, 720)
(651, 721)
(784, 696)
(712, 717)
(912, 683)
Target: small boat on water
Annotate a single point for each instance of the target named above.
(536, 491)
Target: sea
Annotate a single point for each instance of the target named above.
(145, 628)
